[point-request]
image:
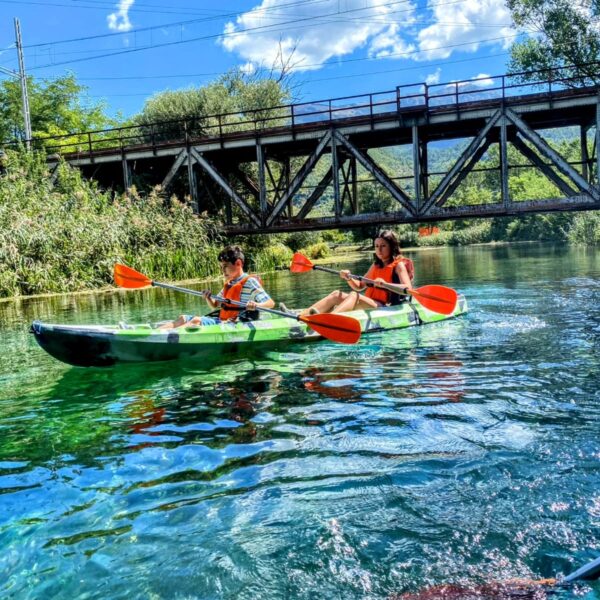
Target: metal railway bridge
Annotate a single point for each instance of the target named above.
(300, 166)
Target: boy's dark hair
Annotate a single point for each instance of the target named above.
(390, 237)
(231, 254)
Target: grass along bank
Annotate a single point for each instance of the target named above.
(64, 234)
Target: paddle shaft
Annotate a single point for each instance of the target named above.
(589, 571)
(369, 282)
(222, 300)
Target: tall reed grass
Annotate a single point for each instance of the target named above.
(66, 235)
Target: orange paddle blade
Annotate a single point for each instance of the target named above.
(300, 263)
(337, 328)
(437, 298)
(130, 278)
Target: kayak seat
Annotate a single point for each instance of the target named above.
(244, 316)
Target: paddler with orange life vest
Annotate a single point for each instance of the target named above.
(388, 267)
(239, 287)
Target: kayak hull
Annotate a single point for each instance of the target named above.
(101, 346)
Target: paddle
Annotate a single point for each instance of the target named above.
(338, 328)
(437, 298)
(506, 589)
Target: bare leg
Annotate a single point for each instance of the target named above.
(181, 320)
(326, 304)
(355, 301)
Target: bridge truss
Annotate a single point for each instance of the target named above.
(301, 166)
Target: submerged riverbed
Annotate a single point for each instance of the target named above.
(464, 451)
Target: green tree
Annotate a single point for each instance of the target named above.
(564, 34)
(57, 106)
(241, 97)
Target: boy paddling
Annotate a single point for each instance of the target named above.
(239, 287)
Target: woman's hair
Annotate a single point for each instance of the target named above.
(390, 237)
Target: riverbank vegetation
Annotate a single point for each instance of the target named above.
(62, 232)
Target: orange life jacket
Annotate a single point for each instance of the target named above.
(233, 292)
(387, 274)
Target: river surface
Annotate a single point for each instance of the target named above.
(465, 451)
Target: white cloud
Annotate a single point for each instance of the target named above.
(318, 32)
(119, 21)
(458, 23)
(248, 68)
(482, 80)
(329, 29)
(433, 78)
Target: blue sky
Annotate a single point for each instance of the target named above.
(127, 50)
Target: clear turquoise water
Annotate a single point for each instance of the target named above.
(463, 451)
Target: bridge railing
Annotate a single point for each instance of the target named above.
(452, 96)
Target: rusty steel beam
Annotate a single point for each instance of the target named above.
(192, 181)
(298, 180)
(531, 156)
(504, 193)
(316, 194)
(179, 160)
(598, 141)
(462, 174)
(246, 181)
(262, 187)
(546, 150)
(220, 180)
(459, 164)
(335, 171)
(497, 209)
(367, 162)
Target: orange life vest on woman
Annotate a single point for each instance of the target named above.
(234, 292)
(387, 274)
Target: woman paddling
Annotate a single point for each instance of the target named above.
(388, 267)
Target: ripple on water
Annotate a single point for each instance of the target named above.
(435, 454)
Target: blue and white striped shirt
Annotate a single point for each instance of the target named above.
(251, 290)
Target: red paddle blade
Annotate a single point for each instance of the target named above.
(338, 328)
(437, 298)
(300, 263)
(127, 277)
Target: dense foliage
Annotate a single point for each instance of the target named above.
(67, 235)
(561, 34)
(57, 107)
(239, 96)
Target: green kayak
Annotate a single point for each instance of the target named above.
(99, 345)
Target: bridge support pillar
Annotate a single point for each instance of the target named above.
(598, 142)
(335, 171)
(262, 187)
(585, 155)
(192, 183)
(504, 162)
(417, 168)
(126, 174)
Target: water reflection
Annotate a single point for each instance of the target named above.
(418, 457)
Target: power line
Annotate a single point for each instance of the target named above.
(221, 15)
(313, 80)
(232, 34)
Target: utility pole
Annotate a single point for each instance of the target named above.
(23, 78)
